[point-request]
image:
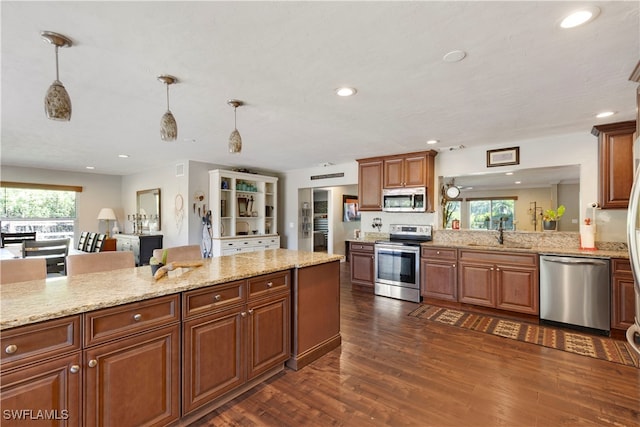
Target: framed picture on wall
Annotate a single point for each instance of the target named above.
(350, 211)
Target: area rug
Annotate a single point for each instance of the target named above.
(604, 348)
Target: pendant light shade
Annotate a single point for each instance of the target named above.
(235, 140)
(168, 125)
(57, 103)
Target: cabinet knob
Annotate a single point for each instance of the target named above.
(491, 268)
(497, 269)
(437, 252)
(454, 266)
(11, 349)
(243, 314)
(269, 284)
(74, 369)
(217, 297)
(251, 311)
(93, 363)
(137, 317)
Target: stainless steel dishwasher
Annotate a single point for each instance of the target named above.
(575, 291)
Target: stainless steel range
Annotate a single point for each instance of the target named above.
(397, 262)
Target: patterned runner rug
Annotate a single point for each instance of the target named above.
(605, 348)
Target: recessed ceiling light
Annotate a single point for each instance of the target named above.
(580, 17)
(518, 182)
(605, 114)
(123, 156)
(433, 141)
(508, 173)
(90, 167)
(454, 56)
(346, 91)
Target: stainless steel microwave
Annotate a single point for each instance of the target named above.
(404, 199)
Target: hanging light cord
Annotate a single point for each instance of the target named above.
(57, 76)
(235, 126)
(167, 96)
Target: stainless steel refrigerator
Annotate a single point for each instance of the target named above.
(633, 239)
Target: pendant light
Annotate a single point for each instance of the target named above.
(235, 140)
(168, 125)
(57, 104)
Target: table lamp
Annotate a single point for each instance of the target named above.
(108, 215)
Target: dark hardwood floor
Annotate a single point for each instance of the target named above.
(395, 370)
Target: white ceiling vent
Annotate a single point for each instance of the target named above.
(180, 169)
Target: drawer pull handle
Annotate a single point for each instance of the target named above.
(11, 349)
(269, 284)
(74, 369)
(137, 317)
(251, 311)
(93, 363)
(217, 297)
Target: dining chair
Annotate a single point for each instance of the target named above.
(7, 238)
(54, 251)
(179, 253)
(99, 261)
(22, 270)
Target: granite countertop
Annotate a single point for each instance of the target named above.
(38, 300)
(542, 250)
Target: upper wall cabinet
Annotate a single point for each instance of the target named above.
(615, 163)
(397, 171)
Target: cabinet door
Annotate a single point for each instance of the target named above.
(268, 335)
(615, 143)
(623, 302)
(53, 387)
(439, 279)
(517, 289)
(362, 274)
(213, 357)
(370, 185)
(475, 283)
(394, 173)
(415, 171)
(134, 381)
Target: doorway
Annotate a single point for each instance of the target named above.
(320, 220)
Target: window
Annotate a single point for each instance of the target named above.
(452, 210)
(48, 210)
(487, 213)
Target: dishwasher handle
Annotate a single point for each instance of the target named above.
(574, 261)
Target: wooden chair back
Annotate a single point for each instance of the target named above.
(53, 251)
(99, 261)
(22, 270)
(179, 253)
(7, 238)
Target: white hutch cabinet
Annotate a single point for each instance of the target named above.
(243, 212)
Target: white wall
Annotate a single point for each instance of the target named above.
(98, 191)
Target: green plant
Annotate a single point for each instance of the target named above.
(553, 215)
(153, 261)
(164, 257)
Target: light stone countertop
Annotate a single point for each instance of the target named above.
(35, 301)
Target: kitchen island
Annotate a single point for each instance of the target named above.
(121, 348)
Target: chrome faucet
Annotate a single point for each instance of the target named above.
(501, 232)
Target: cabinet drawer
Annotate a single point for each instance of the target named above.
(269, 283)
(516, 258)
(115, 322)
(439, 253)
(39, 341)
(620, 266)
(201, 301)
(361, 247)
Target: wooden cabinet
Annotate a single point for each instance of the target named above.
(622, 294)
(615, 163)
(132, 364)
(438, 273)
(142, 246)
(504, 280)
(362, 266)
(108, 245)
(396, 171)
(412, 170)
(316, 313)
(233, 333)
(370, 185)
(41, 371)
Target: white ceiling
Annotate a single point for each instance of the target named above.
(523, 77)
